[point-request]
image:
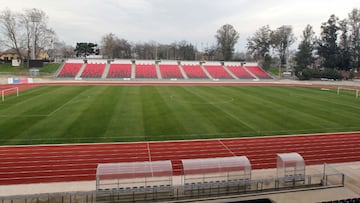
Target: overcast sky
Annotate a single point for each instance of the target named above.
(167, 21)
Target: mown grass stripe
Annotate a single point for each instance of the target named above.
(71, 114)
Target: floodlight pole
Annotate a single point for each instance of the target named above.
(156, 51)
(34, 19)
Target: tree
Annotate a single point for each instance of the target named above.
(145, 50)
(226, 38)
(259, 45)
(113, 47)
(186, 51)
(304, 57)
(20, 29)
(62, 50)
(327, 47)
(354, 29)
(35, 26)
(344, 46)
(11, 31)
(211, 53)
(281, 39)
(84, 49)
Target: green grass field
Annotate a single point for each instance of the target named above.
(47, 69)
(74, 114)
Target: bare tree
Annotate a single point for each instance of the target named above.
(27, 35)
(11, 31)
(26, 31)
(62, 50)
(281, 39)
(114, 47)
(107, 45)
(259, 44)
(144, 51)
(212, 53)
(35, 22)
(186, 51)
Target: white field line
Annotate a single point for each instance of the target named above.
(225, 101)
(149, 152)
(66, 103)
(41, 115)
(226, 147)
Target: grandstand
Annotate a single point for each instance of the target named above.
(139, 69)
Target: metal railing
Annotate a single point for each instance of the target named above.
(329, 178)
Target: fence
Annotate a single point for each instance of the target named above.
(330, 177)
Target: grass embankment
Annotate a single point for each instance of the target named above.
(47, 69)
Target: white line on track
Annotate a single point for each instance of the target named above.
(231, 152)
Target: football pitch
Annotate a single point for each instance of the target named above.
(93, 114)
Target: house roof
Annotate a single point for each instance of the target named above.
(13, 51)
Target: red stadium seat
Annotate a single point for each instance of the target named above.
(93, 71)
(70, 70)
(170, 71)
(194, 71)
(145, 71)
(217, 71)
(258, 72)
(240, 72)
(119, 71)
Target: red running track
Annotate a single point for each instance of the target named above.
(58, 163)
(21, 87)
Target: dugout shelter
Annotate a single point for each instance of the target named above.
(133, 175)
(290, 167)
(221, 169)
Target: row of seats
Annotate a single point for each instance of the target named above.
(145, 71)
(119, 71)
(166, 71)
(93, 71)
(240, 72)
(70, 70)
(170, 71)
(259, 72)
(151, 188)
(218, 72)
(194, 71)
(216, 184)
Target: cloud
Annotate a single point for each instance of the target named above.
(166, 21)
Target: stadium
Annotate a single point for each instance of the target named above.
(177, 131)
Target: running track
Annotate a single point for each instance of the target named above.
(57, 163)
